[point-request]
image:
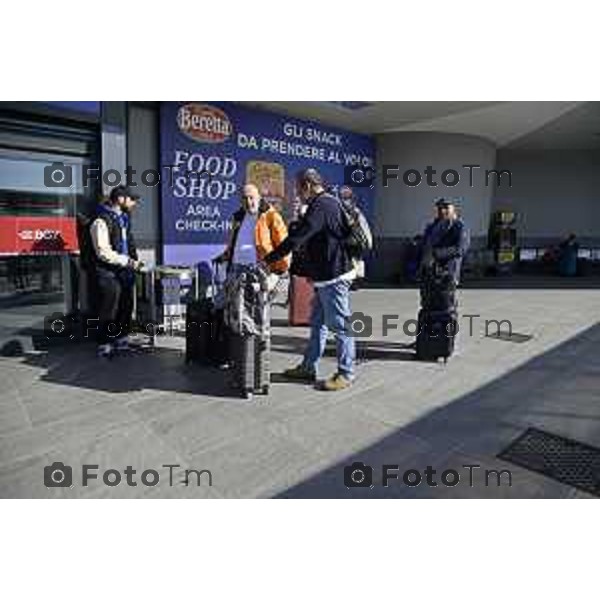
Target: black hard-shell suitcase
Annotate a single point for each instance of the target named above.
(200, 330)
(205, 339)
(438, 292)
(436, 335)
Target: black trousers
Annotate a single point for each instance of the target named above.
(115, 290)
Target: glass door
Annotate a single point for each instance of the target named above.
(40, 194)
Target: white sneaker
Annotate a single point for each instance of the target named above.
(104, 351)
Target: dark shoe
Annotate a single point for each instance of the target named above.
(300, 373)
(337, 383)
(105, 351)
(122, 344)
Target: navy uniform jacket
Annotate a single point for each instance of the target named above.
(447, 242)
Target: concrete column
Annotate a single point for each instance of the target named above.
(113, 147)
(402, 209)
(143, 155)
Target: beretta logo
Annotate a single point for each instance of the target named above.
(204, 123)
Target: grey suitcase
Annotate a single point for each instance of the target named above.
(247, 315)
(250, 355)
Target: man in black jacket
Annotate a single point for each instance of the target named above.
(322, 232)
(115, 258)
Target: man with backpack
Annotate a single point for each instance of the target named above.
(115, 258)
(325, 234)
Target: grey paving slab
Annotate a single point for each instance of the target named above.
(209, 426)
(24, 478)
(79, 428)
(13, 417)
(334, 430)
(259, 465)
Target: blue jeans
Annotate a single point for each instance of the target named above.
(330, 311)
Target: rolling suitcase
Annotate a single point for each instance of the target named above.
(438, 292)
(437, 320)
(301, 297)
(205, 340)
(251, 369)
(437, 335)
(199, 330)
(247, 318)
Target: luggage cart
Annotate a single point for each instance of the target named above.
(160, 299)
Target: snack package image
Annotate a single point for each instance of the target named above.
(269, 178)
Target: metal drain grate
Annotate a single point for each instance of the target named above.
(557, 457)
(517, 338)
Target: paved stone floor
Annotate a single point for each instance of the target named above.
(150, 409)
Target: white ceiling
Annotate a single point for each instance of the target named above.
(523, 125)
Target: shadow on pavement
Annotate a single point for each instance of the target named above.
(160, 369)
(365, 349)
(164, 369)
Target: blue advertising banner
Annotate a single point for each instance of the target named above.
(209, 150)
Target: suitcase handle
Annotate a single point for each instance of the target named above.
(216, 266)
(214, 270)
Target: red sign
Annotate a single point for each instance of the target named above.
(38, 235)
(204, 123)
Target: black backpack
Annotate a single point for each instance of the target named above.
(87, 254)
(360, 238)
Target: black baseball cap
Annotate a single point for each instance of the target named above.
(444, 202)
(123, 190)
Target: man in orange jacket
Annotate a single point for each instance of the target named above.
(257, 230)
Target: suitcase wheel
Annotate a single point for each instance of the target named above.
(265, 389)
(248, 395)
